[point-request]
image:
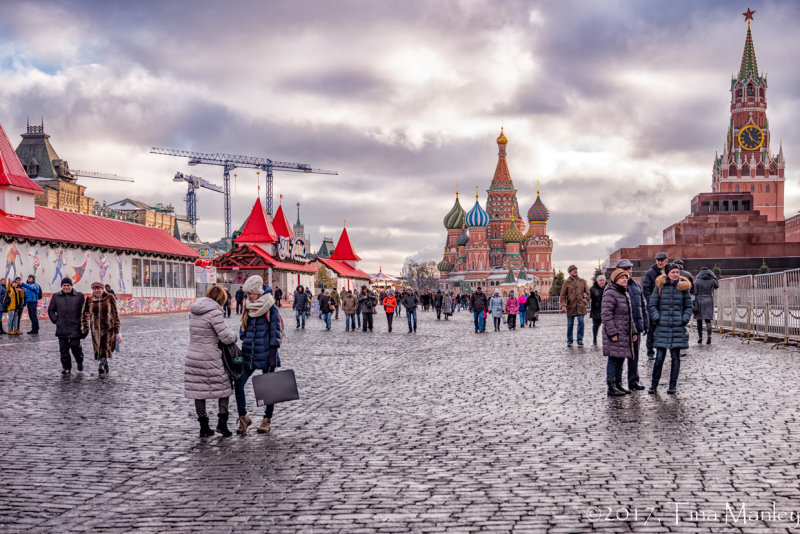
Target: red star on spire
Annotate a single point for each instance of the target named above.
(748, 15)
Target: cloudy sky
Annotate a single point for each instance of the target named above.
(616, 107)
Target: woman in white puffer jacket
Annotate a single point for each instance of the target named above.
(204, 375)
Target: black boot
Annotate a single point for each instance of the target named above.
(635, 386)
(205, 430)
(622, 389)
(612, 389)
(222, 425)
(708, 341)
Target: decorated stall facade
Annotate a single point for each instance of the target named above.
(342, 265)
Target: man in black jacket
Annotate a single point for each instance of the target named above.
(648, 284)
(410, 302)
(438, 298)
(65, 312)
(240, 295)
(596, 305)
(367, 300)
(477, 303)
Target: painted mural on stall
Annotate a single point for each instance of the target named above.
(51, 264)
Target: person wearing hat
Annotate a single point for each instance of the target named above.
(648, 284)
(389, 303)
(574, 296)
(101, 318)
(670, 309)
(619, 330)
(595, 305)
(684, 273)
(260, 332)
(478, 303)
(496, 309)
(64, 311)
(640, 320)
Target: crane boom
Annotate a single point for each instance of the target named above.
(228, 162)
(101, 175)
(193, 184)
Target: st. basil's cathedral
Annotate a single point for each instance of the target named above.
(487, 247)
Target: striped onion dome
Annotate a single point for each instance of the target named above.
(512, 234)
(445, 266)
(538, 212)
(463, 239)
(455, 217)
(477, 216)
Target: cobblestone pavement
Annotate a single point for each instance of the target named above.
(440, 431)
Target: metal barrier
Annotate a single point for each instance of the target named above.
(763, 306)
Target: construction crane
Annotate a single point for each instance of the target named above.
(101, 175)
(193, 184)
(228, 162)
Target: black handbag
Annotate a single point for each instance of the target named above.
(695, 307)
(232, 360)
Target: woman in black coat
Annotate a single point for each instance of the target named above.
(596, 303)
(704, 288)
(619, 330)
(534, 305)
(670, 309)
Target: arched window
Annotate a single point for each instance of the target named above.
(745, 170)
(737, 188)
(751, 90)
(732, 171)
(760, 170)
(752, 189)
(767, 188)
(773, 169)
(739, 93)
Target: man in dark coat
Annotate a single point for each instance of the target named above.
(437, 303)
(704, 288)
(326, 308)
(648, 284)
(300, 306)
(2, 306)
(239, 300)
(410, 302)
(65, 311)
(595, 305)
(534, 305)
(478, 303)
(367, 300)
(640, 320)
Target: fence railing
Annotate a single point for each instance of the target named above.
(762, 306)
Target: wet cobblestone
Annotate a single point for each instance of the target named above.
(442, 431)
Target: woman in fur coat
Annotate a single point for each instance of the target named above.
(101, 319)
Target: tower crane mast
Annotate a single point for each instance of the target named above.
(194, 183)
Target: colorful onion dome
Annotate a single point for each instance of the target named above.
(455, 217)
(477, 217)
(502, 140)
(444, 266)
(538, 212)
(512, 234)
(463, 239)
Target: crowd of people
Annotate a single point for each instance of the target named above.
(659, 309)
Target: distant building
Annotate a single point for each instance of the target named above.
(326, 248)
(51, 173)
(157, 216)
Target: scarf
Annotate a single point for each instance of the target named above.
(260, 307)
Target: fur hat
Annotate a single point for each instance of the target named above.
(254, 284)
(617, 274)
(98, 284)
(66, 280)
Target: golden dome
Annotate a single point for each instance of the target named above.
(502, 140)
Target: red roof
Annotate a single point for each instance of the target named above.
(258, 229)
(344, 249)
(342, 269)
(12, 173)
(57, 226)
(281, 224)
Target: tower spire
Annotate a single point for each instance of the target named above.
(749, 67)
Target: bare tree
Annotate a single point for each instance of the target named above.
(422, 276)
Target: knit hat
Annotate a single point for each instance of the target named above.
(600, 278)
(678, 262)
(496, 291)
(571, 268)
(66, 280)
(254, 284)
(617, 274)
(98, 284)
(671, 266)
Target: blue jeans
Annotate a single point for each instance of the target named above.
(409, 315)
(478, 317)
(675, 368)
(300, 315)
(13, 319)
(327, 318)
(33, 314)
(241, 399)
(350, 321)
(398, 308)
(358, 316)
(522, 318)
(614, 369)
(570, 323)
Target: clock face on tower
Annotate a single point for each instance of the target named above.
(751, 137)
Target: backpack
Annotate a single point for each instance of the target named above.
(38, 292)
(6, 301)
(232, 360)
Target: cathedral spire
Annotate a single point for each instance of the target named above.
(749, 67)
